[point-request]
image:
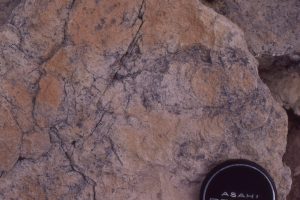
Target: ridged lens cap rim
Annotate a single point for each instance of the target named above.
(235, 163)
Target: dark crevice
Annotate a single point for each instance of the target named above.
(74, 167)
(42, 73)
(291, 157)
(117, 65)
(220, 6)
(21, 158)
(294, 121)
(268, 63)
(113, 148)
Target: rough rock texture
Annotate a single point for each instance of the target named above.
(291, 157)
(273, 36)
(282, 75)
(6, 7)
(271, 26)
(125, 99)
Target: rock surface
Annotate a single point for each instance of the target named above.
(291, 157)
(282, 75)
(125, 99)
(6, 7)
(271, 26)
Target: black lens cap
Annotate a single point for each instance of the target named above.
(237, 180)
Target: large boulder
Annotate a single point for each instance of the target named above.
(129, 99)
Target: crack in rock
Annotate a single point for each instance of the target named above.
(129, 99)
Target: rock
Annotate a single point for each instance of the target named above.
(52, 177)
(10, 136)
(35, 145)
(291, 157)
(282, 75)
(40, 40)
(270, 26)
(139, 101)
(6, 7)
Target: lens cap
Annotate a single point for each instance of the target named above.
(237, 180)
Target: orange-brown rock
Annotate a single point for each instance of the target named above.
(10, 136)
(110, 27)
(22, 104)
(35, 145)
(42, 26)
(138, 99)
(48, 100)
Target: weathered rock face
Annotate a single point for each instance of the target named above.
(129, 99)
(291, 157)
(271, 27)
(282, 75)
(6, 7)
(273, 36)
